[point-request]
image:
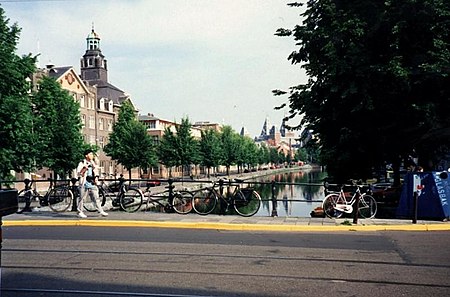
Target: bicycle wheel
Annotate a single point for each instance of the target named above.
(182, 202)
(367, 207)
(246, 202)
(204, 202)
(131, 200)
(89, 205)
(27, 200)
(59, 199)
(329, 204)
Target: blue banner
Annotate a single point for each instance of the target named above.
(434, 198)
(443, 192)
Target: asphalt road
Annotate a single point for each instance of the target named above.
(102, 261)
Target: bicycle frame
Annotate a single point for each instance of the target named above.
(336, 203)
(179, 201)
(245, 201)
(108, 192)
(159, 197)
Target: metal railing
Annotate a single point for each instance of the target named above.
(41, 185)
(193, 184)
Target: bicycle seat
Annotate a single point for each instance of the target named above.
(239, 180)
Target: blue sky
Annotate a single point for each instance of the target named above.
(209, 60)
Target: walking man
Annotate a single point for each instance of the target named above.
(87, 174)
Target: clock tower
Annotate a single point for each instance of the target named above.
(93, 62)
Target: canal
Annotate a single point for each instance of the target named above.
(297, 199)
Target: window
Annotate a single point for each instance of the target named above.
(102, 167)
(101, 142)
(91, 122)
(155, 140)
(110, 106)
(83, 120)
(102, 104)
(82, 103)
(92, 139)
(100, 124)
(111, 168)
(155, 170)
(110, 125)
(91, 103)
(151, 125)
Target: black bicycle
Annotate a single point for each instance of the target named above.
(120, 195)
(58, 197)
(245, 201)
(169, 200)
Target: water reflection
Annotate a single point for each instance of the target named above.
(296, 200)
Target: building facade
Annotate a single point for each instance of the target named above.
(99, 100)
(156, 127)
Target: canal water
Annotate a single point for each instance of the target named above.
(298, 193)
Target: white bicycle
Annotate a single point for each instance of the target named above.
(336, 204)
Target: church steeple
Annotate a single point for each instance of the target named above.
(93, 62)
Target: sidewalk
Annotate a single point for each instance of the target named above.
(229, 222)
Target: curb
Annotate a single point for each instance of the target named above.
(229, 226)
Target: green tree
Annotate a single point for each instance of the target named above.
(187, 145)
(179, 148)
(379, 84)
(16, 122)
(166, 151)
(210, 149)
(263, 154)
(129, 144)
(252, 152)
(274, 156)
(301, 155)
(57, 127)
(230, 145)
(247, 152)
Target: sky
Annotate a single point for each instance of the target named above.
(208, 60)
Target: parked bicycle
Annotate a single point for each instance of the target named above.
(336, 204)
(245, 201)
(121, 195)
(58, 197)
(170, 200)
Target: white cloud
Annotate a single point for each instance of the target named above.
(206, 59)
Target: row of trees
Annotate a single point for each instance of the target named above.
(379, 82)
(131, 146)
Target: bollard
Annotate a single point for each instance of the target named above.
(221, 186)
(222, 204)
(415, 206)
(417, 188)
(274, 200)
(356, 209)
(170, 187)
(76, 193)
